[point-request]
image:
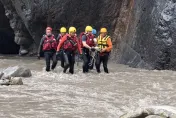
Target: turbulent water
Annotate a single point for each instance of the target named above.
(58, 95)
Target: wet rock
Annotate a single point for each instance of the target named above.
(1, 75)
(11, 80)
(23, 52)
(155, 116)
(17, 72)
(149, 112)
(4, 82)
(132, 58)
(16, 81)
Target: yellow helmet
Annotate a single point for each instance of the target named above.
(72, 29)
(103, 30)
(63, 30)
(88, 29)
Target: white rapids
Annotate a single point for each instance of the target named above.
(58, 95)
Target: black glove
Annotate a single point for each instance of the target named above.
(58, 53)
(81, 56)
(92, 49)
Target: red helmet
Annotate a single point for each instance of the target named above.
(49, 28)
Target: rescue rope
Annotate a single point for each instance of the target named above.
(93, 54)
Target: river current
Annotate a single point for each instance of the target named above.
(58, 95)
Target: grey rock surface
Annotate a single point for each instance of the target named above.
(14, 75)
(145, 34)
(1, 75)
(17, 72)
(11, 81)
(16, 81)
(159, 111)
(5, 81)
(155, 116)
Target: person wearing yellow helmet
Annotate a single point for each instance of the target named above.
(48, 45)
(63, 32)
(70, 45)
(88, 44)
(105, 45)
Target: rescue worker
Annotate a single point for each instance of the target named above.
(105, 46)
(88, 45)
(63, 32)
(70, 45)
(94, 32)
(48, 45)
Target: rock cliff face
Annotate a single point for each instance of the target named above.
(145, 34)
(143, 31)
(7, 44)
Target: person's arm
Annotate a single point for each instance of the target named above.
(84, 38)
(109, 48)
(40, 46)
(95, 41)
(61, 43)
(79, 47)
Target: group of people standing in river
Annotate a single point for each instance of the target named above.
(91, 49)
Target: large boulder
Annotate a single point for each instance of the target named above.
(17, 72)
(152, 112)
(12, 75)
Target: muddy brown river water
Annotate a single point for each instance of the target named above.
(58, 95)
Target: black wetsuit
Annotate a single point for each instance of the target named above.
(49, 55)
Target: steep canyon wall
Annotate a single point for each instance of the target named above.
(143, 31)
(145, 34)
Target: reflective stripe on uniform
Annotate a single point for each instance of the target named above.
(102, 42)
